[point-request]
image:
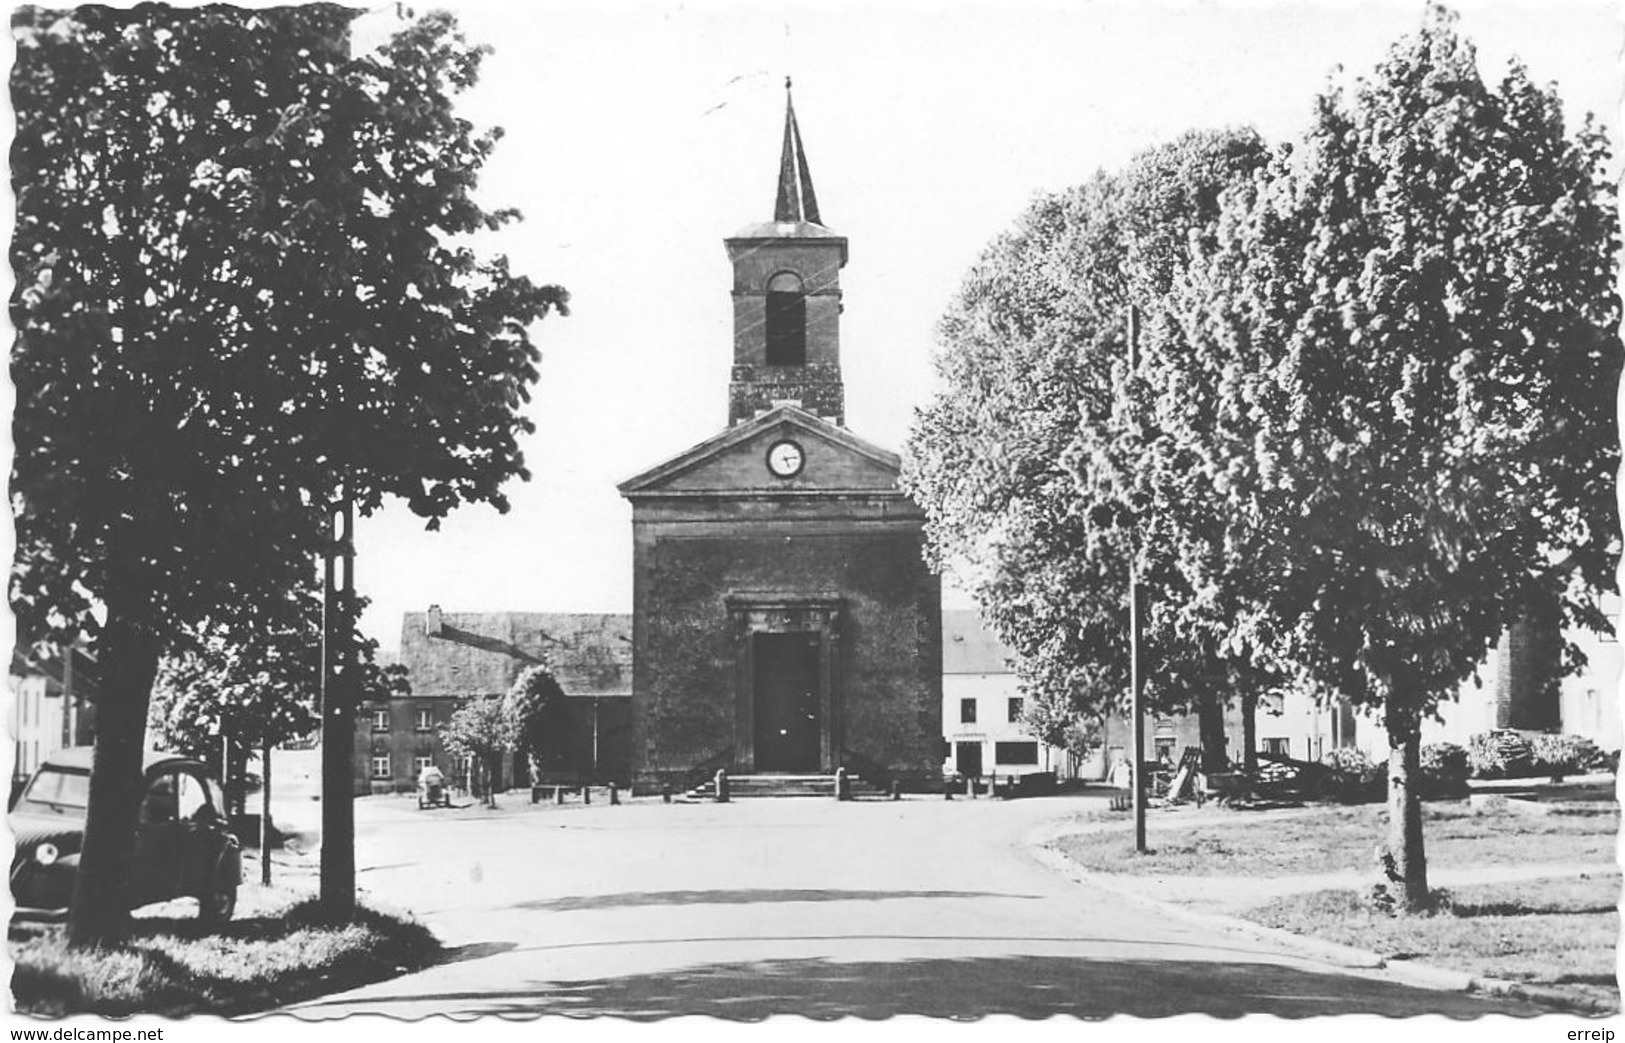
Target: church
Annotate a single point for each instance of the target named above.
(784, 619)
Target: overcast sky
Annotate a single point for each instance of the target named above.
(639, 135)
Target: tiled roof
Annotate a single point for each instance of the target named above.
(482, 653)
(968, 647)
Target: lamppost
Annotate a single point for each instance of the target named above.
(338, 692)
(1136, 688)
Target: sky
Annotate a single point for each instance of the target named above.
(640, 135)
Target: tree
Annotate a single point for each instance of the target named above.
(482, 730)
(243, 283)
(1024, 463)
(1400, 388)
(535, 706)
(253, 687)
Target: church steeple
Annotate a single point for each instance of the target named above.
(787, 299)
(796, 200)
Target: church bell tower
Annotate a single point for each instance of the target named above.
(787, 300)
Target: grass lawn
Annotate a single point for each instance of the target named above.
(173, 967)
(1331, 839)
(1551, 931)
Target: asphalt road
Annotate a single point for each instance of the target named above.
(764, 907)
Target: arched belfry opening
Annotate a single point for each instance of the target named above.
(786, 321)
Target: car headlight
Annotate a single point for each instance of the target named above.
(46, 854)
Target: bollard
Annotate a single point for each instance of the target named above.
(896, 789)
(843, 788)
(722, 785)
(614, 794)
(586, 794)
(558, 794)
(948, 790)
(665, 795)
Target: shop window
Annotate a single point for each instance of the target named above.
(1015, 752)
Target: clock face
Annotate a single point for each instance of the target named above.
(785, 459)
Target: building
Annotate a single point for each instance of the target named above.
(451, 658)
(982, 705)
(52, 706)
(784, 619)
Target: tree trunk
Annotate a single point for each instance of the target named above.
(99, 912)
(1210, 724)
(1249, 730)
(1405, 807)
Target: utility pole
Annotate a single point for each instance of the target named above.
(1136, 688)
(338, 693)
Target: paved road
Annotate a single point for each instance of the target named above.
(764, 907)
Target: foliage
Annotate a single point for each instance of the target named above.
(481, 729)
(1445, 769)
(1562, 754)
(1355, 778)
(1399, 388)
(1500, 755)
(242, 285)
(534, 705)
(1021, 461)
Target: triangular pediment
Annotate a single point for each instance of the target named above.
(735, 462)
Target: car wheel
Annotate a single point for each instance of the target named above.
(217, 904)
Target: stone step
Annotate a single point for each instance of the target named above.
(751, 786)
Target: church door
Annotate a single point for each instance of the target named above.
(787, 727)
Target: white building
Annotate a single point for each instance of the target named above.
(982, 703)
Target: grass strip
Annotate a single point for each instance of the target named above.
(174, 967)
(1554, 931)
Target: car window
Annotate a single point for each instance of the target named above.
(159, 803)
(68, 789)
(191, 797)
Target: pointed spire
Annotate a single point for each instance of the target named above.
(796, 200)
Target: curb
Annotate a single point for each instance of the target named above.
(1421, 975)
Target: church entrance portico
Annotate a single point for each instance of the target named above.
(785, 674)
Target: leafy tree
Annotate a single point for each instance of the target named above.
(535, 705)
(243, 283)
(1025, 461)
(1055, 721)
(1400, 389)
(255, 687)
(482, 730)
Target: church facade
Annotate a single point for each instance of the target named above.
(784, 619)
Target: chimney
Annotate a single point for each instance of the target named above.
(433, 627)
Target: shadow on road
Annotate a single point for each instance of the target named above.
(1023, 986)
(742, 896)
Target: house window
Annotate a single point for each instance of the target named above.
(1276, 746)
(1015, 710)
(786, 321)
(380, 766)
(380, 720)
(425, 719)
(967, 711)
(1015, 753)
(421, 764)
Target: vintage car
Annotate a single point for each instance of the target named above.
(183, 847)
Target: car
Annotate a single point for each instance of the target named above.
(183, 844)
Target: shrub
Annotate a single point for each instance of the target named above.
(1354, 778)
(1445, 770)
(1562, 754)
(1500, 755)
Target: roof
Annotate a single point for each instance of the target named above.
(969, 647)
(785, 416)
(79, 758)
(796, 201)
(85, 671)
(483, 653)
